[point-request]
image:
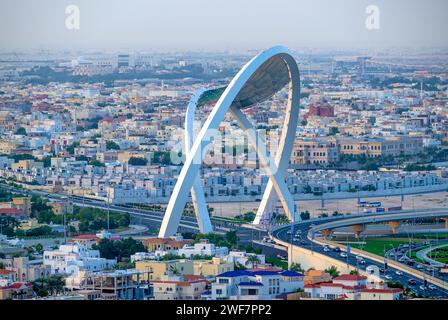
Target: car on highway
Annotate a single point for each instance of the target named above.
(412, 282)
(359, 258)
(419, 266)
(343, 255)
(398, 273)
(431, 287)
(282, 257)
(388, 277)
(422, 287)
(362, 261)
(337, 249)
(326, 249)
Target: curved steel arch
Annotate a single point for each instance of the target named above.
(242, 91)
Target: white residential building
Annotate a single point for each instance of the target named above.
(241, 257)
(203, 248)
(72, 258)
(256, 284)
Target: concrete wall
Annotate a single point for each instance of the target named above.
(309, 259)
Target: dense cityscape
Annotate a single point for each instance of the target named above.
(86, 170)
(111, 188)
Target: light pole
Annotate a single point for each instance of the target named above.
(108, 210)
(291, 261)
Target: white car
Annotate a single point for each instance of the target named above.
(398, 273)
(422, 288)
(326, 249)
(388, 277)
(343, 255)
(358, 258)
(431, 287)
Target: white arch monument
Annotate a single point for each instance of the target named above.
(262, 77)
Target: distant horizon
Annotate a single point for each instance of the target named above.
(243, 51)
(220, 26)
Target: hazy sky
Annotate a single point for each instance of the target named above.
(220, 24)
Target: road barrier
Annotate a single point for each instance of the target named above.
(377, 258)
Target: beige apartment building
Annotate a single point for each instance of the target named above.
(160, 268)
(26, 165)
(22, 204)
(124, 156)
(187, 287)
(7, 147)
(314, 151)
(377, 147)
(211, 268)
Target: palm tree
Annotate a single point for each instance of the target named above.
(296, 267)
(252, 260)
(174, 270)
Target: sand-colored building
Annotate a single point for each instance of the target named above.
(161, 268)
(211, 268)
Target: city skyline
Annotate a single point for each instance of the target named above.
(223, 151)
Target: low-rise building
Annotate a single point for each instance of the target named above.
(381, 294)
(211, 268)
(161, 268)
(17, 291)
(342, 287)
(173, 287)
(203, 248)
(169, 244)
(316, 276)
(256, 284)
(72, 258)
(111, 285)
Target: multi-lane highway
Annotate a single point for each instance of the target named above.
(298, 235)
(155, 216)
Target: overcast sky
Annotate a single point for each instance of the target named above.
(220, 24)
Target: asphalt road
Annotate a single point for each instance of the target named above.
(388, 275)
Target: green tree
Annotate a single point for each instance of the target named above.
(305, 215)
(332, 271)
(239, 266)
(136, 161)
(21, 131)
(252, 260)
(112, 145)
(47, 161)
(97, 163)
(333, 131)
(232, 238)
(296, 267)
(119, 249)
(71, 147)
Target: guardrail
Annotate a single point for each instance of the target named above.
(377, 258)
